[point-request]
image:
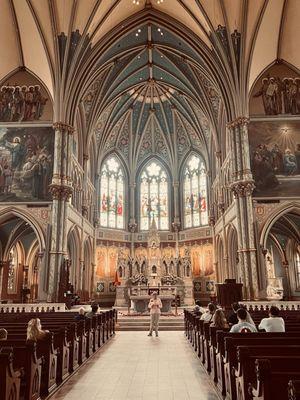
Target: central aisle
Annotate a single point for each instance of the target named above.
(134, 366)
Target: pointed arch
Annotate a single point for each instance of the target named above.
(194, 191)
(154, 190)
(112, 192)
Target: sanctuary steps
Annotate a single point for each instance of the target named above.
(142, 323)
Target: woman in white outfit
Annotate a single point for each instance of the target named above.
(154, 305)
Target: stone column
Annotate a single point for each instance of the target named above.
(61, 190)
(84, 189)
(242, 186)
(132, 225)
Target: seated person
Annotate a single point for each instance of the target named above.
(35, 331)
(242, 326)
(274, 323)
(196, 310)
(233, 319)
(93, 311)
(3, 334)
(81, 315)
(219, 320)
(207, 316)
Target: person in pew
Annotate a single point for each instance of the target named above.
(219, 320)
(35, 331)
(207, 316)
(274, 323)
(242, 326)
(81, 315)
(93, 311)
(197, 308)
(3, 334)
(232, 318)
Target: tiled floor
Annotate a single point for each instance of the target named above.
(134, 366)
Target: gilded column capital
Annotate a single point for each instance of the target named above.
(60, 192)
(237, 122)
(242, 188)
(61, 126)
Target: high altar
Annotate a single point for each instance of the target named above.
(148, 269)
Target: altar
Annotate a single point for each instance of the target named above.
(153, 268)
(140, 303)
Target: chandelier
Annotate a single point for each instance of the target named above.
(137, 2)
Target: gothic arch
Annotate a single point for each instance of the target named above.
(232, 249)
(273, 217)
(74, 246)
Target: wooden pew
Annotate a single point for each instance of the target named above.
(9, 377)
(272, 377)
(247, 355)
(294, 390)
(25, 358)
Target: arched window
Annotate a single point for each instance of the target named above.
(298, 268)
(112, 194)
(154, 197)
(13, 263)
(195, 193)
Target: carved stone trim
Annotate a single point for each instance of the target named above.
(61, 126)
(60, 192)
(242, 188)
(237, 122)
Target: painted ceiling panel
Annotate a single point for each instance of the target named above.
(64, 10)
(289, 49)
(34, 56)
(233, 14)
(265, 50)
(83, 13)
(253, 12)
(8, 41)
(44, 19)
(214, 11)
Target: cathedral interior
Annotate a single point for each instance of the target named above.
(149, 143)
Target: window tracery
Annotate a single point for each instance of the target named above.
(112, 194)
(154, 197)
(195, 192)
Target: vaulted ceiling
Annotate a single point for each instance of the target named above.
(29, 28)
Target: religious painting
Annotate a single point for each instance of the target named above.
(277, 92)
(275, 158)
(197, 286)
(195, 193)
(202, 260)
(23, 99)
(112, 194)
(154, 197)
(26, 163)
(101, 257)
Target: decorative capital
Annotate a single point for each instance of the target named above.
(132, 225)
(61, 126)
(176, 224)
(242, 188)
(86, 157)
(239, 121)
(60, 192)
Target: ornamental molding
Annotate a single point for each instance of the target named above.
(242, 188)
(61, 126)
(60, 192)
(240, 121)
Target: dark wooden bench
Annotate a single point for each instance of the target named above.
(10, 378)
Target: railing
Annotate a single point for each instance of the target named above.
(265, 305)
(38, 307)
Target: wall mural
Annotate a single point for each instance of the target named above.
(275, 157)
(277, 92)
(26, 163)
(23, 98)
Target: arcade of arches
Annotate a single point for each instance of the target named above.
(137, 135)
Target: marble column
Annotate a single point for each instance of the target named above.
(61, 190)
(242, 186)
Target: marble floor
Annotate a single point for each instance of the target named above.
(133, 366)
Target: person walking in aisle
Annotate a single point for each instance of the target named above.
(154, 305)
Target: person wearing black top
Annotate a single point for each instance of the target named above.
(232, 318)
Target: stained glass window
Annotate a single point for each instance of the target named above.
(112, 194)
(195, 193)
(298, 268)
(12, 270)
(154, 197)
